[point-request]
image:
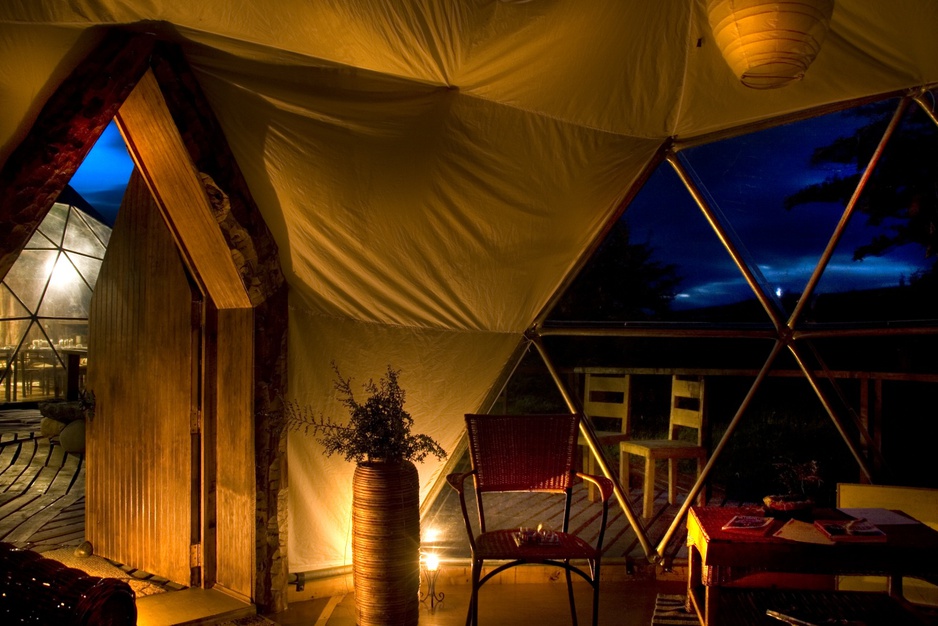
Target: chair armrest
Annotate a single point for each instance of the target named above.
(605, 492)
(457, 480)
(603, 483)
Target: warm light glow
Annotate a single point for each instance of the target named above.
(431, 535)
(769, 43)
(62, 273)
(432, 562)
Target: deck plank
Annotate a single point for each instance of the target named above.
(620, 545)
(24, 468)
(42, 488)
(30, 519)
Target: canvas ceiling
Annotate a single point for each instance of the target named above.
(432, 170)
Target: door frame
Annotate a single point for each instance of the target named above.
(250, 295)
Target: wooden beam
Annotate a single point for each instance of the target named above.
(257, 259)
(158, 151)
(258, 262)
(242, 225)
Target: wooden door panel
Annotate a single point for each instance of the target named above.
(142, 355)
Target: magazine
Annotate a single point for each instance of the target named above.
(850, 530)
(756, 523)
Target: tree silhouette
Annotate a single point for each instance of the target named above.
(621, 282)
(901, 196)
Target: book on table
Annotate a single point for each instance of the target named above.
(850, 530)
(748, 523)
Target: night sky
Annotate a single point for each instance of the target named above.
(103, 175)
(748, 179)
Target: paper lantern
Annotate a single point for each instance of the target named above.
(769, 44)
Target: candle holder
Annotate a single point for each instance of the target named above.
(430, 572)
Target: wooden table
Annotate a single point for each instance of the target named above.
(722, 563)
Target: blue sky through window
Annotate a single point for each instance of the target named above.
(748, 179)
(102, 177)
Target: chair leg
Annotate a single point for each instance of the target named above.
(672, 481)
(570, 595)
(648, 508)
(472, 616)
(702, 496)
(594, 567)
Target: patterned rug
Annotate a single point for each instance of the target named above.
(254, 620)
(669, 609)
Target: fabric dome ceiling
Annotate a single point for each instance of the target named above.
(433, 171)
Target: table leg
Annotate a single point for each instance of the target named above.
(711, 601)
(696, 601)
(894, 586)
(693, 576)
(648, 506)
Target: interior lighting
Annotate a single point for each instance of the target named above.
(769, 43)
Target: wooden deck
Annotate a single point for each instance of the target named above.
(42, 502)
(42, 487)
(621, 544)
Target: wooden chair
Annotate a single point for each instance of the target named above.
(605, 396)
(688, 410)
(532, 454)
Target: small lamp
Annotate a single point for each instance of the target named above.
(430, 569)
(769, 43)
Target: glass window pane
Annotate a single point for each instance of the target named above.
(103, 175)
(101, 230)
(12, 332)
(29, 275)
(53, 226)
(10, 307)
(80, 238)
(39, 242)
(758, 180)
(662, 261)
(67, 295)
(66, 334)
(88, 267)
(884, 266)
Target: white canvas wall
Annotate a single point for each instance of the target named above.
(433, 170)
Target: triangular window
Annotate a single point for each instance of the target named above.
(46, 295)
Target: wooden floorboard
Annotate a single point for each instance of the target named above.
(42, 487)
(620, 543)
(42, 502)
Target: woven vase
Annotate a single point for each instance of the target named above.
(386, 543)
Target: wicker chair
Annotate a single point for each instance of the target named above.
(528, 453)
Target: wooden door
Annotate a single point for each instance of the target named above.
(143, 452)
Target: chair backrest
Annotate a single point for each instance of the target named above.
(607, 396)
(523, 452)
(688, 405)
(919, 502)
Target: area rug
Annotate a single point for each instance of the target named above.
(253, 620)
(669, 609)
